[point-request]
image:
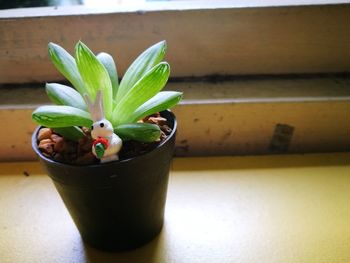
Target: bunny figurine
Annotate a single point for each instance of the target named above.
(106, 144)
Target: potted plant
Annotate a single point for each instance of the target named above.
(107, 146)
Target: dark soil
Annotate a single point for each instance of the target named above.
(54, 146)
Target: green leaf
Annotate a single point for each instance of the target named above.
(72, 133)
(162, 101)
(148, 59)
(108, 63)
(143, 132)
(147, 87)
(95, 76)
(61, 116)
(64, 95)
(65, 64)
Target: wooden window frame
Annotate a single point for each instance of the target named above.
(205, 41)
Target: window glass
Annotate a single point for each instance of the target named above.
(8, 4)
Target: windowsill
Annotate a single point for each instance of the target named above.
(237, 116)
(291, 208)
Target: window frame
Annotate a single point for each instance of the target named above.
(231, 40)
(215, 55)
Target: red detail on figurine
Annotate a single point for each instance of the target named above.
(104, 141)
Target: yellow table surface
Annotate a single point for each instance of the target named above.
(290, 208)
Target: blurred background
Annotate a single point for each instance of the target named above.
(7, 4)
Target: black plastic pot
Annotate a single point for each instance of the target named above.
(117, 205)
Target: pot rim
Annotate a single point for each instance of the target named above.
(37, 151)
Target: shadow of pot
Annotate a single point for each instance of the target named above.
(117, 205)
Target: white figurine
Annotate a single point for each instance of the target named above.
(106, 143)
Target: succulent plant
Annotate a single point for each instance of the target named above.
(137, 95)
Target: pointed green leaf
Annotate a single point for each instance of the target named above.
(108, 62)
(95, 76)
(148, 59)
(64, 95)
(143, 132)
(73, 133)
(65, 64)
(61, 116)
(147, 87)
(162, 101)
